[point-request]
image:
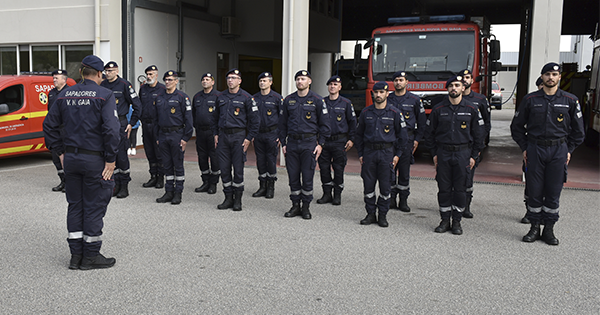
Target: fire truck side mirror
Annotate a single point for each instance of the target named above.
(494, 49)
(357, 53)
(369, 43)
(496, 66)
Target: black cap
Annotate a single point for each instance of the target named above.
(170, 73)
(465, 72)
(207, 75)
(265, 75)
(93, 62)
(59, 71)
(455, 78)
(302, 73)
(381, 85)
(399, 74)
(538, 81)
(551, 66)
(111, 64)
(234, 71)
(335, 78)
(151, 68)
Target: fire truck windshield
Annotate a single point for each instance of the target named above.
(426, 56)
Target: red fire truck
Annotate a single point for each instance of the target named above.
(430, 50)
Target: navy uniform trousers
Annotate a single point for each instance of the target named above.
(300, 163)
(205, 147)
(546, 173)
(453, 175)
(151, 148)
(265, 147)
(231, 154)
(122, 170)
(377, 167)
(88, 196)
(333, 156)
(401, 176)
(169, 144)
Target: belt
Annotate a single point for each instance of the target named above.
(337, 137)
(203, 128)
(233, 130)
(549, 142)
(379, 146)
(122, 117)
(410, 132)
(301, 136)
(268, 129)
(83, 151)
(147, 121)
(171, 129)
(455, 148)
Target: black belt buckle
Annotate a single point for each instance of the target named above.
(83, 151)
(268, 129)
(233, 130)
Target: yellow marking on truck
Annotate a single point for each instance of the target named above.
(27, 115)
(16, 149)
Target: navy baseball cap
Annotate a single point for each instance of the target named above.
(399, 74)
(551, 66)
(335, 78)
(207, 75)
(456, 78)
(234, 71)
(465, 72)
(59, 71)
(538, 81)
(111, 64)
(170, 73)
(93, 62)
(381, 85)
(151, 68)
(302, 73)
(265, 75)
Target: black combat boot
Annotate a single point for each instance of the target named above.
(294, 210)
(75, 261)
(393, 204)
(270, 189)
(203, 188)
(337, 198)
(123, 192)
(403, 205)
(176, 198)
(534, 233)
(370, 218)
(151, 182)
(327, 198)
(60, 187)
(237, 200)
(456, 228)
(467, 212)
(160, 182)
(168, 196)
(262, 190)
(382, 220)
(96, 262)
(548, 234)
(444, 226)
(227, 203)
(525, 219)
(306, 211)
(117, 189)
(212, 189)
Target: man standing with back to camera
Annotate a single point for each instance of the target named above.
(88, 150)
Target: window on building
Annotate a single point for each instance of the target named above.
(24, 58)
(71, 58)
(8, 60)
(44, 58)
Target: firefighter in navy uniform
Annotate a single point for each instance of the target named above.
(125, 96)
(88, 148)
(60, 82)
(547, 126)
(174, 128)
(455, 135)
(414, 116)
(380, 141)
(303, 128)
(205, 116)
(342, 122)
(481, 102)
(266, 142)
(238, 124)
(148, 93)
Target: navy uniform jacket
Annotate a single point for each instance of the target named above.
(124, 96)
(89, 115)
(172, 111)
(413, 111)
(268, 108)
(204, 108)
(237, 110)
(302, 115)
(376, 126)
(483, 105)
(147, 96)
(542, 116)
(341, 117)
(52, 95)
(455, 125)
